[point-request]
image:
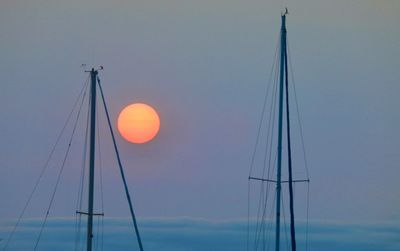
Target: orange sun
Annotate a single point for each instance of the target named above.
(138, 123)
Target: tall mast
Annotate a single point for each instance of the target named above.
(280, 125)
(93, 76)
(283, 96)
(289, 152)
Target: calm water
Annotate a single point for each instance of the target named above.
(196, 234)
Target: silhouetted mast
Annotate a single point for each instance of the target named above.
(89, 236)
(283, 95)
(92, 155)
(289, 151)
(93, 76)
(280, 118)
(94, 81)
(284, 82)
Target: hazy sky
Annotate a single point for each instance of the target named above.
(204, 66)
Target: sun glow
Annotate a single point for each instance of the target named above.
(138, 123)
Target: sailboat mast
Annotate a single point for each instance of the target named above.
(93, 76)
(291, 202)
(280, 125)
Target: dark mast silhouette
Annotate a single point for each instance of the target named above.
(93, 87)
(283, 95)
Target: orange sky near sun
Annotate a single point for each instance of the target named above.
(138, 123)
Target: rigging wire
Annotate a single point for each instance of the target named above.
(268, 145)
(100, 220)
(270, 222)
(248, 214)
(302, 142)
(273, 69)
(271, 128)
(298, 112)
(44, 168)
(102, 197)
(97, 222)
(264, 219)
(263, 108)
(261, 199)
(260, 229)
(121, 169)
(59, 174)
(308, 209)
(289, 152)
(284, 224)
(79, 202)
(270, 133)
(269, 228)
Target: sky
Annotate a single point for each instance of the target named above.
(204, 66)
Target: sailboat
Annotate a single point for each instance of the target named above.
(90, 137)
(280, 97)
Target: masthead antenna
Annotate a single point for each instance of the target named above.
(101, 68)
(286, 11)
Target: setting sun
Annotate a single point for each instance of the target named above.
(138, 123)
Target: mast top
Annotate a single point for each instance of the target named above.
(93, 70)
(283, 28)
(286, 12)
